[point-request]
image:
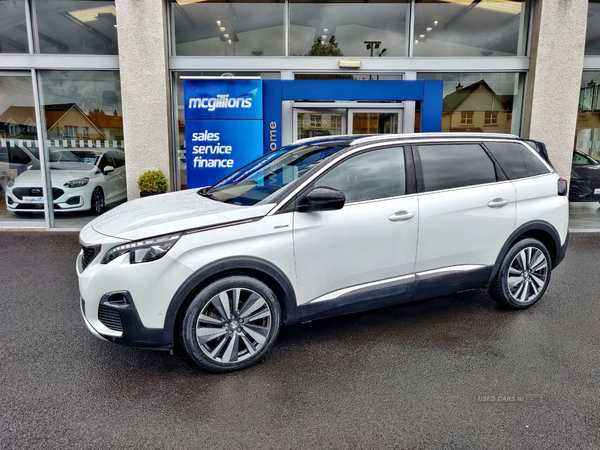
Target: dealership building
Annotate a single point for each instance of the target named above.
(107, 80)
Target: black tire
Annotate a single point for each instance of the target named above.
(230, 324)
(97, 201)
(523, 276)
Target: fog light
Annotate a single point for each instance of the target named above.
(74, 200)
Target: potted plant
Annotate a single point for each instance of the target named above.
(152, 182)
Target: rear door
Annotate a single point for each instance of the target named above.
(467, 211)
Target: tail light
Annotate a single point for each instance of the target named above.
(563, 186)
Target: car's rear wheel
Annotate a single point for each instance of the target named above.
(98, 202)
(523, 276)
(231, 324)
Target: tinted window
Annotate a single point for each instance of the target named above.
(450, 166)
(516, 160)
(582, 160)
(369, 176)
(119, 159)
(18, 156)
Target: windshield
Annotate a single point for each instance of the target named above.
(268, 174)
(74, 156)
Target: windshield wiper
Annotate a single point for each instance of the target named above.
(204, 193)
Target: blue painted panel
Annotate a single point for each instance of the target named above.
(352, 90)
(222, 99)
(216, 148)
(272, 114)
(431, 108)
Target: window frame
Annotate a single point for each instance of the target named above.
(410, 186)
(420, 178)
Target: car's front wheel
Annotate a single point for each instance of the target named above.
(98, 202)
(523, 276)
(231, 324)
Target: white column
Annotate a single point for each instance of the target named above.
(143, 60)
(558, 41)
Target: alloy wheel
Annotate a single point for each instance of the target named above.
(233, 325)
(527, 274)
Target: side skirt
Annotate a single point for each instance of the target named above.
(405, 289)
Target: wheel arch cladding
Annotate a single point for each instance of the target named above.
(542, 231)
(253, 267)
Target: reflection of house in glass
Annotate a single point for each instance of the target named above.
(588, 120)
(63, 121)
(477, 108)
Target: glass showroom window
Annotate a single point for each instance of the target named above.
(348, 28)
(480, 102)
(13, 28)
(19, 152)
(592, 37)
(221, 28)
(470, 28)
(83, 143)
(588, 119)
(77, 26)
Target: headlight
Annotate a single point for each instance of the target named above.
(10, 183)
(77, 183)
(143, 251)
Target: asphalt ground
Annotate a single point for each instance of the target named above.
(453, 372)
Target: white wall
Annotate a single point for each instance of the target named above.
(143, 57)
(555, 77)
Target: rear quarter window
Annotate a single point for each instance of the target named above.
(516, 160)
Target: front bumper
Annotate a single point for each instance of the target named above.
(121, 323)
(584, 190)
(67, 199)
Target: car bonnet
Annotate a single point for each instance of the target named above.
(169, 213)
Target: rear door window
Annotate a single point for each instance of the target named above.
(516, 160)
(448, 166)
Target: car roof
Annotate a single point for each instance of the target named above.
(367, 138)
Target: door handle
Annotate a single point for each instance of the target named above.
(498, 203)
(401, 215)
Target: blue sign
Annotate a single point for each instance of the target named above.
(217, 148)
(223, 127)
(222, 98)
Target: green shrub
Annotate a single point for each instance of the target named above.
(153, 181)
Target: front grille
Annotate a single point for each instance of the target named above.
(21, 192)
(594, 183)
(89, 253)
(110, 318)
(30, 206)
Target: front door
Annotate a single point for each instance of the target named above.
(334, 121)
(370, 243)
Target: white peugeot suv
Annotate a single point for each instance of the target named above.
(323, 227)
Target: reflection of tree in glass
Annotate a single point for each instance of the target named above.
(321, 48)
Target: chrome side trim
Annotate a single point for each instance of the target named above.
(449, 269)
(340, 292)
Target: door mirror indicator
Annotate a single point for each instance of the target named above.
(322, 198)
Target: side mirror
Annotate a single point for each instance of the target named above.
(322, 198)
(108, 169)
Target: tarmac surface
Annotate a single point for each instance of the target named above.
(455, 372)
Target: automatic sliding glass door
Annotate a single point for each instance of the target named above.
(362, 121)
(316, 122)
